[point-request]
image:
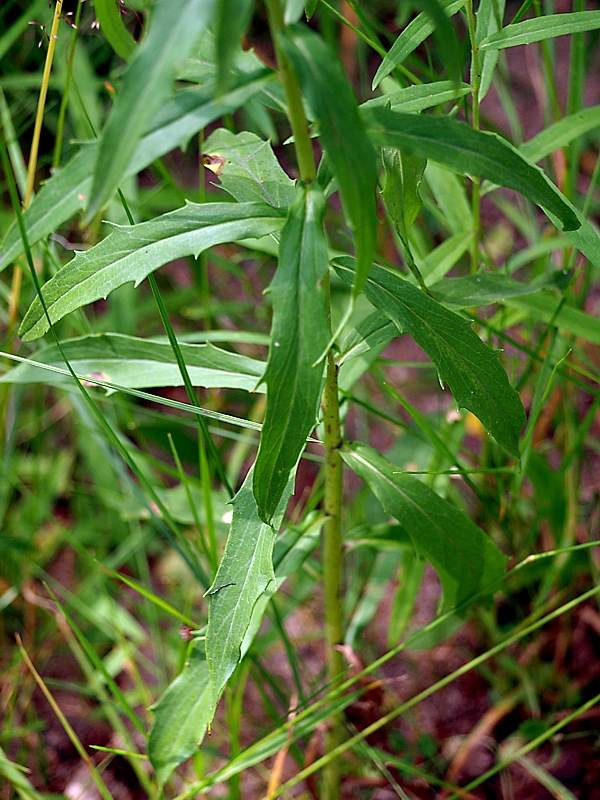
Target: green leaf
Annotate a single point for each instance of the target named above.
(342, 135)
(548, 308)
(174, 28)
(411, 37)
(230, 21)
(479, 290)
(489, 20)
(465, 559)
(108, 14)
(247, 168)
(181, 716)
(484, 155)
(417, 98)
(403, 175)
(131, 252)
(140, 363)
(470, 368)
(446, 40)
(541, 28)
(244, 575)
(66, 193)
(299, 334)
(561, 133)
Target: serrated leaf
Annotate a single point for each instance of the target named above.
(411, 37)
(541, 28)
(342, 135)
(247, 168)
(465, 559)
(108, 15)
(403, 175)
(181, 716)
(131, 252)
(244, 575)
(299, 335)
(417, 98)
(470, 368)
(67, 192)
(469, 152)
(140, 363)
(174, 27)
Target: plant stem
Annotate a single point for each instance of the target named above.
(475, 83)
(332, 530)
(332, 566)
(293, 96)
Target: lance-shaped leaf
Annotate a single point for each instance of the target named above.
(174, 27)
(465, 559)
(470, 368)
(181, 717)
(67, 192)
(349, 152)
(247, 168)
(131, 252)
(411, 37)
(468, 152)
(541, 28)
(419, 97)
(139, 363)
(489, 20)
(299, 334)
(244, 575)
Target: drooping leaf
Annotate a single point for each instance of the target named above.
(108, 14)
(67, 192)
(541, 28)
(299, 334)
(190, 707)
(247, 168)
(131, 252)
(411, 37)
(403, 175)
(489, 20)
(181, 716)
(140, 363)
(342, 135)
(470, 368)
(174, 27)
(244, 575)
(469, 152)
(417, 98)
(465, 559)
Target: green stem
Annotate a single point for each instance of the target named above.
(293, 96)
(332, 565)
(332, 530)
(475, 82)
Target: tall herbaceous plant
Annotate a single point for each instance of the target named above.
(380, 139)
